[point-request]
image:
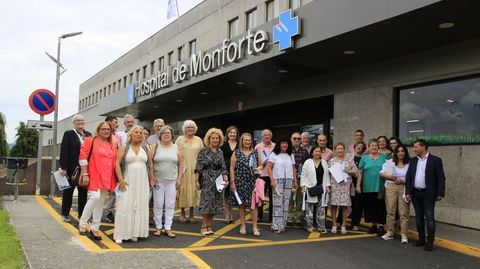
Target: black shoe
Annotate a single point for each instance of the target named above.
(381, 231)
(110, 218)
(419, 243)
(428, 246)
(93, 236)
(373, 230)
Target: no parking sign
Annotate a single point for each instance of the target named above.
(42, 101)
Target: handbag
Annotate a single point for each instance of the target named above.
(315, 191)
(77, 173)
(381, 193)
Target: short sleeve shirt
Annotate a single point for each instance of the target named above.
(371, 181)
(282, 165)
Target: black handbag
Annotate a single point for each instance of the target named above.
(315, 191)
(77, 173)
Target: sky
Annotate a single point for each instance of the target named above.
(30, 28)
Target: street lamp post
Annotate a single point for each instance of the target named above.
(55, 113)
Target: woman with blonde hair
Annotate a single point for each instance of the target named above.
(244, 164)
(131, 217)
(189, 145)
(97, 161)
(210, 166)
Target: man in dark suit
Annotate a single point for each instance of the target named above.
(425, 184)
(69, 152)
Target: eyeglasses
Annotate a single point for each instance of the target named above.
(105, 129)
(296, 138)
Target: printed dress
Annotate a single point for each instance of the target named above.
(210, 165)
(340, 195)
(244, 178)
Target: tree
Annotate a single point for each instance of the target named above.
(3, 136)
(26, 143)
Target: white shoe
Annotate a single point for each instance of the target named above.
(387, 236)
(134, 239)
(118, 241)
(355, 228)
(334, 229)
(343, 230)
(404, 239)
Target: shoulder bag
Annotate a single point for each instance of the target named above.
(77, 173)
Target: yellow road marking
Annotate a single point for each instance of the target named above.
(109, 232)
(278, 243)
(195, 259)
(87, 242)
(452, 245)
(245, 239)
(106, 241)
(205, 241)
(314, 235)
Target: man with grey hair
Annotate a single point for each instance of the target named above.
(128, 122)
(295, 212)
(306, 141)
(157, 125)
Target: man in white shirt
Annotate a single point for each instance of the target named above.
(128, 122)
(424, 185)
(264, 149)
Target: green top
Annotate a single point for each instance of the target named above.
(371, 180)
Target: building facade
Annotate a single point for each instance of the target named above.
(396, 68)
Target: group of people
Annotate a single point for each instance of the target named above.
(375, 181)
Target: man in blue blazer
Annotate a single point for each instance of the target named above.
(69, 152)
(425, 184)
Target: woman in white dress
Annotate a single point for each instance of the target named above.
(131, 218)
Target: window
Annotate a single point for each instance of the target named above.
(96, 97)
(144, 73)
(161, 64)
(294, 4)
(443, 112)
(152, 68)
(180, 53)
(170, 58)
(252, 19)
(89, 99)
(80, 105)
(130, 80)
(119, 83)
(137, 75)
(273, 9)
(233, 28)
(100, 93)
(124, 81)
(114, 87)
(193, 47)
(109, 90)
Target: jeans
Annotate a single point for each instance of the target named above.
(424, 209)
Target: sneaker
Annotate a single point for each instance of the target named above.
(334, 229)
(404, 239)
(118, 241)
(343, 230)
(387, 236)
(381, 231)
(134, 239)
(66, 218)
(355, 228)
(110, 218)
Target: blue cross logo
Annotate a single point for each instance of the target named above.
(131, 94)
(286, 29)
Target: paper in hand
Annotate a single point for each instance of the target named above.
(239, 201)
(61, 181)
(220, 184)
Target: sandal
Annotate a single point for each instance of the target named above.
(82, 231)
(170, 234)
(243, 230)
(256, 232)
(183, 219)
(158, 232)
(209, 230)
(203, 231)
(310, 230)
(192, 219)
